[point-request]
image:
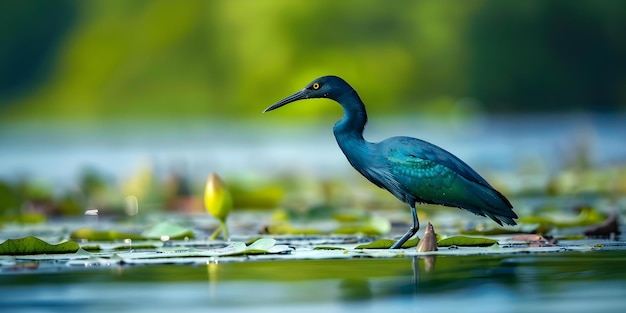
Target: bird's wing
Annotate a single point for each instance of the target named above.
(428, 158)
(432, 175)
(425, 179)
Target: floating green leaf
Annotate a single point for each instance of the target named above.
(571, 237)
(252, 240)
(287, 229)
(33, 245)
(185, 255)
(387, 243)
(378, 244)
(263, 244)
(411, 243)
(465, 241)
(23, 218)
(103, 235)
(587, 216)
(328, 248)
(491, 230)
(135, 245)
(168, 231)
(370, 228)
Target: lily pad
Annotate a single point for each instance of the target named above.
(103, 235)
(166, 255)
(378, 244)
(286, 229)
(491, 230)
(464, 241)
(168, 231)
(387, 243)
(371, 227)
(33, 245)
(262, 244)
(108, 246)
(411, 243)
(587, 217)
(328, 248)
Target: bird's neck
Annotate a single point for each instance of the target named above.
(349, 130)
(354, 116)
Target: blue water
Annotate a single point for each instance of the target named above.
(558, 282)
(58, 152)
(561, 282)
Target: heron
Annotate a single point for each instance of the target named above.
(411, 169)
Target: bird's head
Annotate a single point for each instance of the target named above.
(331, 87)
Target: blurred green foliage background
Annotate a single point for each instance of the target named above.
(94, 60)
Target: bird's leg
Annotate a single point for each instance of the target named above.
(410, 232)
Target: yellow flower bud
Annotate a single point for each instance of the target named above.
(217, 198)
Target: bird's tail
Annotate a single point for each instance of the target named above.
(494, 205)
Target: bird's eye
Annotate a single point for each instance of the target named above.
(316, 86)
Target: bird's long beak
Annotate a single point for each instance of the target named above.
(300, 95)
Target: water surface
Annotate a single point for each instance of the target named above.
(544, 282)
(57, 152)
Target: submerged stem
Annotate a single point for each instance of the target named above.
(220, 229)
(224, 229)
(215, 233)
